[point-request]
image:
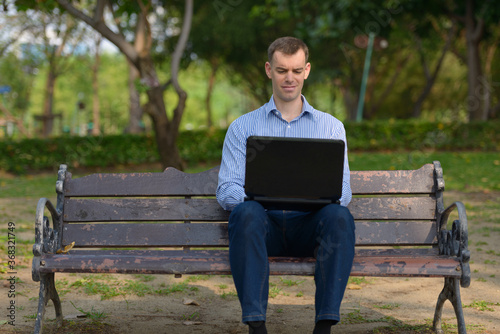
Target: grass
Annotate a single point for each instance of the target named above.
(92, 314)
(290, 282)
(225, 294)
(192, 316)
(112, 288)
(42, 185)
(358, 280)
(394, 325)
(482, 305)
(387, 306)
(196, 278)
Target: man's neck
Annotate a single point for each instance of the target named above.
(289, 110)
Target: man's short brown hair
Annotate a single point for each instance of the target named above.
(287, 45)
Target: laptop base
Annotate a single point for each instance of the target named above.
(291, 204)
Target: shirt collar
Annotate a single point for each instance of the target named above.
(306, 107)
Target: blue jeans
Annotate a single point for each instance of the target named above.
(255, 234)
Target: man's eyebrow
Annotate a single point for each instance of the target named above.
(286, 69)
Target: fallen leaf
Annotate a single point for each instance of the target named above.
(66, 248)
(190, 323)
(187, 301)
(354, 287)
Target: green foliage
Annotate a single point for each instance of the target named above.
(482, 305)
(418, 135)
(36, 154)
(205, 146)
(92, 314)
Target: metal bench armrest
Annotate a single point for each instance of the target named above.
(47, 239)
(456, 241)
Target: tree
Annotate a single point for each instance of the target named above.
(18, 65)
(479, 23)
(135, 109)
(139, 53)
(96, 119)
(237, 41)
(56, 55)
(331, 29)
(431, 76)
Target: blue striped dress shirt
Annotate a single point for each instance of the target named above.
(267, 121)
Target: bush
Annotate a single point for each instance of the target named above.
(103, 151)
(196, 147)
(416, 135)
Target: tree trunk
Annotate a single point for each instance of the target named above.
(350, 103)
(431, 78)
(96, 119)
(47, 115)
(214, 63)
(135, 109)
(475, 92)
(488, 110)
(375, 106)
(165, 133)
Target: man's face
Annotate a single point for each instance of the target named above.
(288, 73)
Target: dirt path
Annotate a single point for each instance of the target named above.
(208, 304)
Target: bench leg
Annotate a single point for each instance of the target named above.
(47, 292)
(451, 292)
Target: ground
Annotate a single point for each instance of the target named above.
(207, 304)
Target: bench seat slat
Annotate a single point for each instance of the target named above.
(216, 235)
(173, 182)
(180, 262)
(206, 209)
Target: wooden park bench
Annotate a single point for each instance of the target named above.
(171, 223)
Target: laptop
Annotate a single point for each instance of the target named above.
(299, 174)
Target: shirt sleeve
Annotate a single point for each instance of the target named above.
(346, 181)
(230, 190)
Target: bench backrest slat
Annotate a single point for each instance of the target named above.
(419, 181)
(175, 183)
(215, 234)
(169, 183)
(202, 209)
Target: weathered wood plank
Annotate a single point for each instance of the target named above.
(176, 183)
(205, 209)
(419, 181)
(179, 262)
(209, 253)
(143, 209)
(215, 234)
(171, 182)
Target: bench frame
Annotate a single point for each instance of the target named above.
(449, 259)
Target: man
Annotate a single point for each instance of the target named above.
(256, 233)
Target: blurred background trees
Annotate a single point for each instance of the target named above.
(108, 67)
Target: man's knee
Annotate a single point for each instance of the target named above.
(337, 218)
(246, 217)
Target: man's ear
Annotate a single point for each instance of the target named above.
(268, 69)
(307, 70)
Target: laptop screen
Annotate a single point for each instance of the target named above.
(281, 167)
